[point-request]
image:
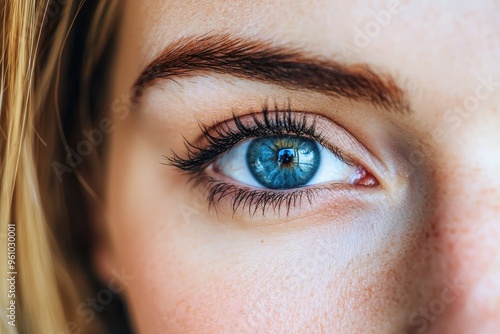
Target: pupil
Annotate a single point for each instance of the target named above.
(286, 156)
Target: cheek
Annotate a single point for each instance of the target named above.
(191, 277)
(178, 289)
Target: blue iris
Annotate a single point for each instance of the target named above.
(283, 162)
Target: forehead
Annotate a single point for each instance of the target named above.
(439, 48)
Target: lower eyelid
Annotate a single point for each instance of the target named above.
(275, 205)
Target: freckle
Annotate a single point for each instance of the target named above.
(262, 241)
(449, 247)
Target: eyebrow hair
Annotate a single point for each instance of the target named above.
(281, 65)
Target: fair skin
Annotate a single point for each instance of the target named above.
(417, 252)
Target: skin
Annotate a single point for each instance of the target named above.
(419, 253)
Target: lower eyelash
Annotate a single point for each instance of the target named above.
(254, 200)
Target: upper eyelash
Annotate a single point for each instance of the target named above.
(219, 139)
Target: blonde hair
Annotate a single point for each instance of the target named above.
(49, 283)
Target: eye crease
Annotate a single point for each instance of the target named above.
(268, 159)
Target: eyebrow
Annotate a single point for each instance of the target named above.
(262, 61)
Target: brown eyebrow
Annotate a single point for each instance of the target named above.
(281, 65)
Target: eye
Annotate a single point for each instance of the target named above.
(273, 160)
(285, 162)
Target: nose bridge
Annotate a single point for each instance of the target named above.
(467, 228)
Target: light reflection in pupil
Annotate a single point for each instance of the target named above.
(286, 157)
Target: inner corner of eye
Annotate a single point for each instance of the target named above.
(362, 177)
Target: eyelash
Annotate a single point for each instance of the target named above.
(220, 138)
